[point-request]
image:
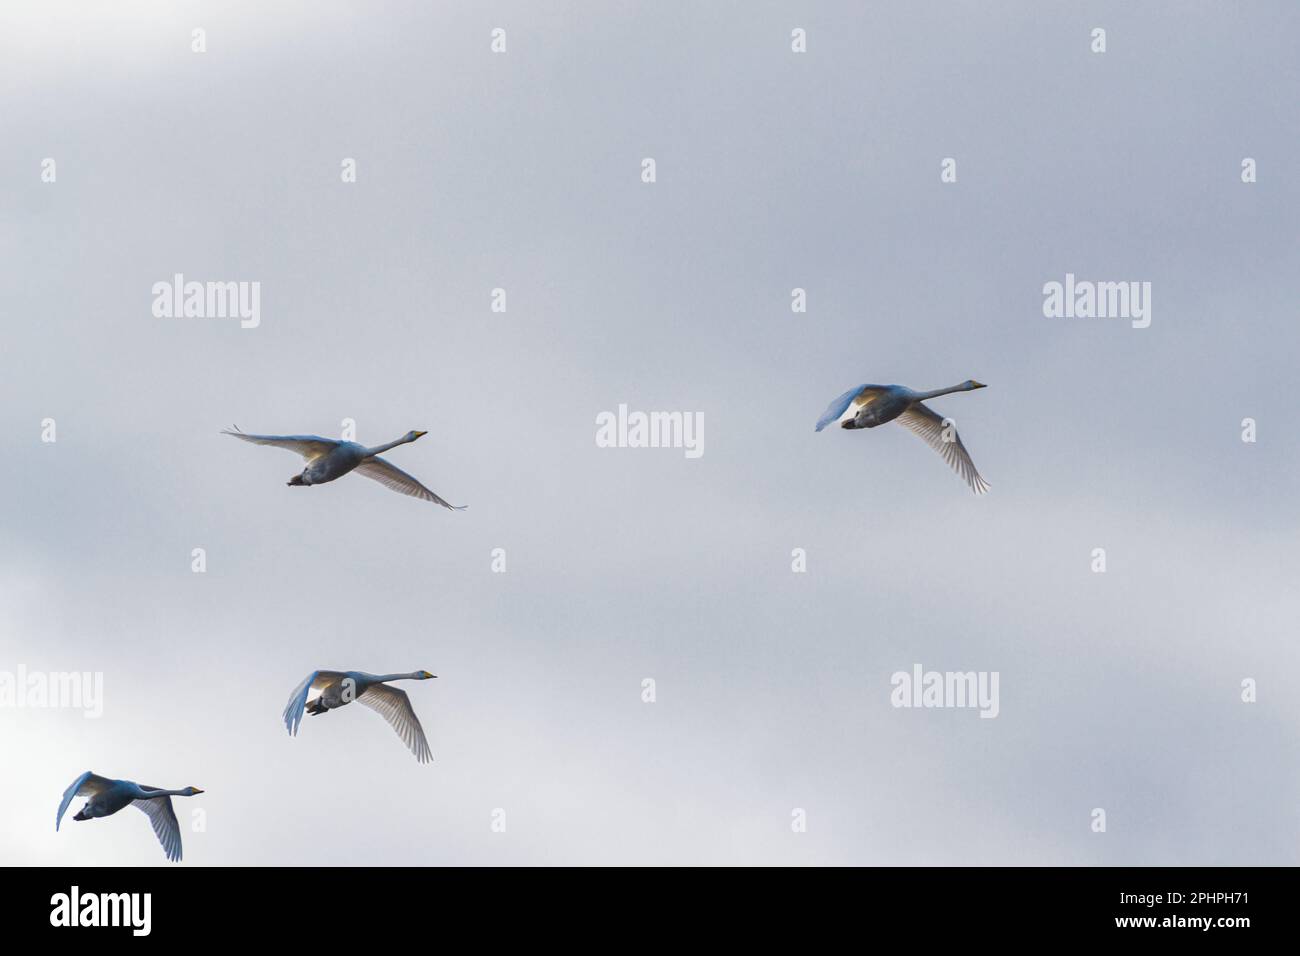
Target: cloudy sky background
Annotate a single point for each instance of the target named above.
(775, 170)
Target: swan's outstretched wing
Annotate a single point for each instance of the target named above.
(929, 426)
(390, 476)
(838, 407)
(395, 707)
(858, 397)
(163, 820)
(298, 699)
(87, 785)
(309, 446)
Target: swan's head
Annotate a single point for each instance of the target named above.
(192, 791)
(425, 675)
(970, 383)
(412, 436)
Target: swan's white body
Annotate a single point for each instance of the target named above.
(870, 405)
(327, 459)
(329, 690)
(108, 796)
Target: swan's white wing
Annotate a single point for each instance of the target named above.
(297, 703)
(924, 422)
(390, 476)
(838, 407)
(87, 785)
(395, 707)
(163, 819)
(298, 699)
(309, 446)
(855, 398)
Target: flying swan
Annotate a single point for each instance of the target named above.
(870, 405)
(334, 689)
(109, 796)
(328, 459)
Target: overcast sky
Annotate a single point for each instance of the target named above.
(775, 170)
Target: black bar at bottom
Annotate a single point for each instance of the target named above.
(298, 905)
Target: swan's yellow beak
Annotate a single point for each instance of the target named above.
(978, 384)
(196, 790)
(420, 434)
(428, 675)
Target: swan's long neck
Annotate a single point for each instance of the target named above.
(385, 678)
(162, 793)
(922, 396)
(380, 449)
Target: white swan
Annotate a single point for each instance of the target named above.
(328, 459)
(334, 689)
(870, 405)
(108, 796)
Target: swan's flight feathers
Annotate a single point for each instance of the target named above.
(298, 699)
(928, 425)
(163, 819)
(309, 446)
(390, 476)
(395, 707)
(87, 785)
(838, 407)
